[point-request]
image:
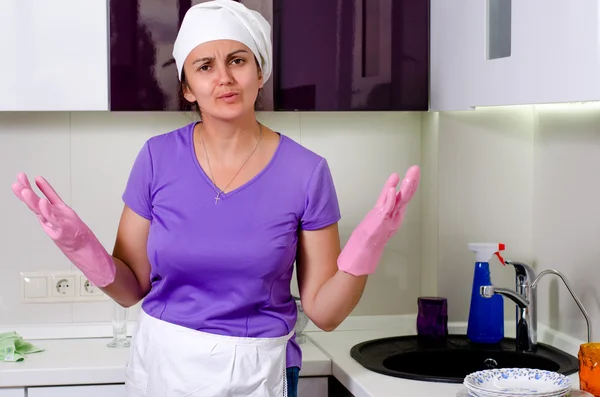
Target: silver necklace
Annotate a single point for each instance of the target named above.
(217, 190)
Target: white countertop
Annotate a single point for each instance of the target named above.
(82, 359)
(364, 383)
(89, 361)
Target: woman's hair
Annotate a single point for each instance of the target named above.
(187, 106)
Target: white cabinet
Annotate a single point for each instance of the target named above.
(312, 387)
(12, 392)
(54, 55)
(449, 54)
(307, 387)
(509, 52)
(77, 391)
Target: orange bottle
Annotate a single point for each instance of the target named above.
(589, 368)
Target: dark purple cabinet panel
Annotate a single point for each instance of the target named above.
(328, 55)
(143, 75)
(341, 55)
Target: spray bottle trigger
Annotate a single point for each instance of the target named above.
(500, 258)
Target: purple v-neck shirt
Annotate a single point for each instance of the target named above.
(226, 268)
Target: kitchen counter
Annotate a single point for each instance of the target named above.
(363, 383)
(86, 360)
(89, 361)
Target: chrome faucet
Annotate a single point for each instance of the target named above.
(525, 296)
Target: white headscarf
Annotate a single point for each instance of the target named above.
(224, 20)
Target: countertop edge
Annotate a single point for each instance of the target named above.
(358, 383)
(318, 362)
(108, 368)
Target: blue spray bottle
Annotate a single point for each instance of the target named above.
(486, 315)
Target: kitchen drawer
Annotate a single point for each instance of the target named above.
(75, 391)
(19, 392)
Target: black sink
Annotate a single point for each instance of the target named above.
(454, 358)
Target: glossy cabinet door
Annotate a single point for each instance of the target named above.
(510, 52)
(451, 76)
(78, 391)
(54, 55)
(17, 392)
(143, 74)
(537, 51)
(307, 387)
(312, 387)
(328, 55)
(351, 55)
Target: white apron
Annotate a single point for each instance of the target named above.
(169, 360)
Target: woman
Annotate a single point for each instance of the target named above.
(216, 213)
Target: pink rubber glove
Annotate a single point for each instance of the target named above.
(363, 251)
(67, 230)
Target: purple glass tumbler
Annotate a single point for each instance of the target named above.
(432, 318)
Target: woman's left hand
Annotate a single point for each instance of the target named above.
(408, 188)
(365, 246)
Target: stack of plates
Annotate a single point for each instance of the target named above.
(573, 393)
(517, 382)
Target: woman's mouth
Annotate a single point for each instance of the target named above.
(229, 97)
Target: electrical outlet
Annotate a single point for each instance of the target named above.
(62, 285)
(87, 289)
(59, 287)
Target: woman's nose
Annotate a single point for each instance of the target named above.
(225, 76)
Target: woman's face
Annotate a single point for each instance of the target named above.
(223, 77)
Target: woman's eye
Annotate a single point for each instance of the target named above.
(238, 61)
(204, 68)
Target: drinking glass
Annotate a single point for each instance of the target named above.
(589, 368)
(119, 326)
(432, 319)
(301, 322)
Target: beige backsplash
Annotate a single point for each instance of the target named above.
(525, 176)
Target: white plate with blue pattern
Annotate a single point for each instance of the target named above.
(572, 393)
(517, 382)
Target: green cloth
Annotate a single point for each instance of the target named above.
(13, 348)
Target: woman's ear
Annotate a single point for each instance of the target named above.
(261, 82)
(187, 93)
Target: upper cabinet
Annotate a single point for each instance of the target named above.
(351, 55)
(143, 74)
(54, 55)
(328, 55)
(506, 52)
(70, 55)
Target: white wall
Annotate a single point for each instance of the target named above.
(87, 158)
(566, 209)
(526, 176)
(485, 191)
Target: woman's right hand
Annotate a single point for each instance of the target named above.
(58, 220)
(67, 230)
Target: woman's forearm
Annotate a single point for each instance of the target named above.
(338, 296)
(336, 299)
(126, 288)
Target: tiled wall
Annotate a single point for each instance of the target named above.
(566, 213)
(485, 190)
(525, 176)
(87, 158)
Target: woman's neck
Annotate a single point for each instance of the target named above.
(226, 141)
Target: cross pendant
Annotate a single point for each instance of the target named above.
(217, 198)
